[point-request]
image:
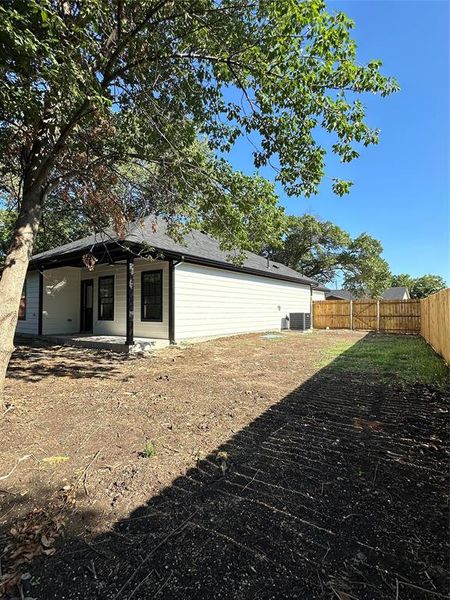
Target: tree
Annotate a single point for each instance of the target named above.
(7, 221)
(366, 272)
(420, 287)
(402, 280)
(313, 247)
(59, 225)
(322, 250)
(89, 87)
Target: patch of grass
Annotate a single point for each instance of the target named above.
(55, 460)
(149, 449)
(272, 336)
(408, 358)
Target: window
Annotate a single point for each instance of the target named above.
(106, 298)
(23, 303)
(151, 296)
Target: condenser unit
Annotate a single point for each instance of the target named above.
(300, 321)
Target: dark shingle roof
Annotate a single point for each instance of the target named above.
(341, 294)
(392, 293)
(322, 288)
(195, 245)
(396, 293)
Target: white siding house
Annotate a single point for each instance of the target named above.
(61, 301)
(212, 302)
(29, 325)
(177, 291)
(318, 295)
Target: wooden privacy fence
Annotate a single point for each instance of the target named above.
(435, 326)
(394, 316)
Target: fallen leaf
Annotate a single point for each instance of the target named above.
(46, 542)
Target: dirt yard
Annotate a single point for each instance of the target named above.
(241, 468)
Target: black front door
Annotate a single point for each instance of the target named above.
(87, 301)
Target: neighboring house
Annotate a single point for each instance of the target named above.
(396, 293)
(319, 292)
(187, 290)
(339, 295)
(392, 293)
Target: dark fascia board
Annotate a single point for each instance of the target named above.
(72, 259)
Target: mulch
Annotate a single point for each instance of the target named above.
(336, 489)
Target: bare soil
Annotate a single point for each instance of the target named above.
(272, 478)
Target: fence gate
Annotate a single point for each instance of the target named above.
(365, 315)
(395, 316)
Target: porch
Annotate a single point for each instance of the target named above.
(124, 304)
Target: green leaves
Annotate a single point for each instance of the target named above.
(324, 251)
(341, 187)
(90, 90)
(59, 226)
(420, 287)
(366, 272)
(313, 247)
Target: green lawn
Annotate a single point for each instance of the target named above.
(407, 358)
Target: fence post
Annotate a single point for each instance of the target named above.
(351, 314)
(378, 315)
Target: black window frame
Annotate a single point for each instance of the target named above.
(161, 274)
(100, 280)
(23, 296)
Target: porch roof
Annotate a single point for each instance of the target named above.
(152, 233)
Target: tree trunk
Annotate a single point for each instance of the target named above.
(14, 272)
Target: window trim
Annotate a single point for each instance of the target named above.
(99, 317)
(23, 295)
(157, 320)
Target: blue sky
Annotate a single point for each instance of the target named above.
(401, 186)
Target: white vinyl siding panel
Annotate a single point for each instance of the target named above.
(210, 301)
(317, 295)
(30, 324)
(61, 301)
(148, 329)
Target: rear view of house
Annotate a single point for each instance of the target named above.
(150, 287)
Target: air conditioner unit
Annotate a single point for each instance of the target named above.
(300, 321)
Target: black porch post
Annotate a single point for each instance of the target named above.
(171, 302)
(130, 300)
(40, 302)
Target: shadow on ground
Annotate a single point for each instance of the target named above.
(337, 491)
(35, 361)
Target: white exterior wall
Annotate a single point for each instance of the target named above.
(148, 329)
(210, 301)
(317, 295)
(29, 325)
(61, 301)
